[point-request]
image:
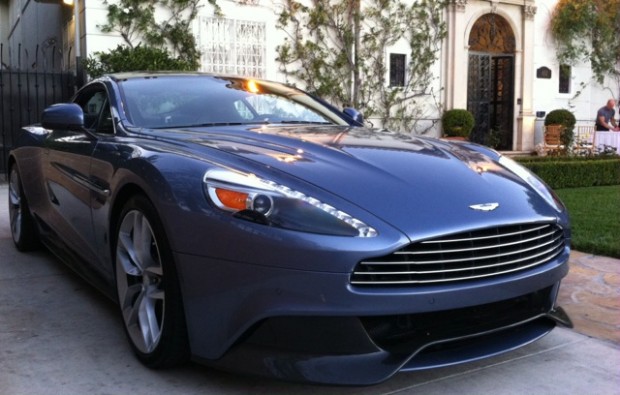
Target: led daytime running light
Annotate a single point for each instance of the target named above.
(363, 229)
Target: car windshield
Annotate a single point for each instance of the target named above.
(192, 101)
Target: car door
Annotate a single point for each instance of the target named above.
(66, 168)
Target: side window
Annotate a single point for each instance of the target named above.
(97, 115)
(105, 120)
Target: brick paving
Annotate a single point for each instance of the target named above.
(590, 294)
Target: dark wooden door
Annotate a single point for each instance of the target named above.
(490, 98)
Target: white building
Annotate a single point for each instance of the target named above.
(498, 59)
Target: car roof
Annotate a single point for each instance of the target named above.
(147, 74)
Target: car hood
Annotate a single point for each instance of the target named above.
(408, 182)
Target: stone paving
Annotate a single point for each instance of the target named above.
(590, 294)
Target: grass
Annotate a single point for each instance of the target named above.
(595, 218)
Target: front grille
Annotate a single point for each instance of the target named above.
(464, 256)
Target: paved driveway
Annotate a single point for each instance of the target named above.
(59, 336)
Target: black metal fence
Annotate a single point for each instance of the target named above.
(26, 89)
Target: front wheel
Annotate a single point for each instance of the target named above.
(23, 228)
(147, 286)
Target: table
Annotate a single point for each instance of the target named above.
(608, 138)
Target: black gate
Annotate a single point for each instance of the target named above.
(490, 99)
(26, 90)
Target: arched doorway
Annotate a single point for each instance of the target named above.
(490, 84)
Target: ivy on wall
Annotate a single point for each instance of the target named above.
(587, 30)
(338, 49)
(150, 43)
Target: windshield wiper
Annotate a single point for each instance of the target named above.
(295, 122)
(208, 124)
(264, 122)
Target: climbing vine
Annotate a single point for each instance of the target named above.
(587, 30)
(156, 34)
(339, 50)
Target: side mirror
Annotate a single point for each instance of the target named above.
(68, 116)
(354, 114)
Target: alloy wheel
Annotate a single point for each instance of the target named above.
(139, 278)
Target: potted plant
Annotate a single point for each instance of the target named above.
(567, 120)
(457, 124)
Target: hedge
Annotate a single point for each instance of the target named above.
(566, 172)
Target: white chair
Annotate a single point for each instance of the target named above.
(584, 142)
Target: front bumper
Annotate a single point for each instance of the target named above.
(316, 327)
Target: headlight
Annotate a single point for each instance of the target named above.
(266, 202)
(529, 177)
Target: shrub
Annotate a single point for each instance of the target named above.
(564, 172)
(140, 58)
(457, 123)
(565, 118)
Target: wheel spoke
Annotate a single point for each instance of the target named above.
(127, 255)
(130, 299)
(15, 207)
(154, 271)
(150, 324)
(140, 236)
(14, 199)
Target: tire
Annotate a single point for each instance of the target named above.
(23, 228)
(148, 288)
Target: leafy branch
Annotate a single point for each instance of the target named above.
(338, 49)
(587, 30)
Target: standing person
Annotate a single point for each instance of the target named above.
(605, 117)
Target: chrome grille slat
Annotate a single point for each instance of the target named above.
(464, 256)
(463, 259)
(477, 248)
(483, 238)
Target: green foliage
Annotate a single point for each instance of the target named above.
(165, 41)
(564, 172)
(337, 49)
(595, 218)
(457, 123)
(565, 118)
(587, 30)
(124, 58)
(560, 117)
(494, 137)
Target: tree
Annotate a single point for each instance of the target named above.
(338, 49)
(150, 43)
(587, 30)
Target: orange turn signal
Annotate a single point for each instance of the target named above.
(232, 199)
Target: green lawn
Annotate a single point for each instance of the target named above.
(595, 218)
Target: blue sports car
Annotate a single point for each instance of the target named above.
(253, 227)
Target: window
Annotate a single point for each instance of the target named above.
(397, 69)
(231, 46)
(97, 116)
(565, 74)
